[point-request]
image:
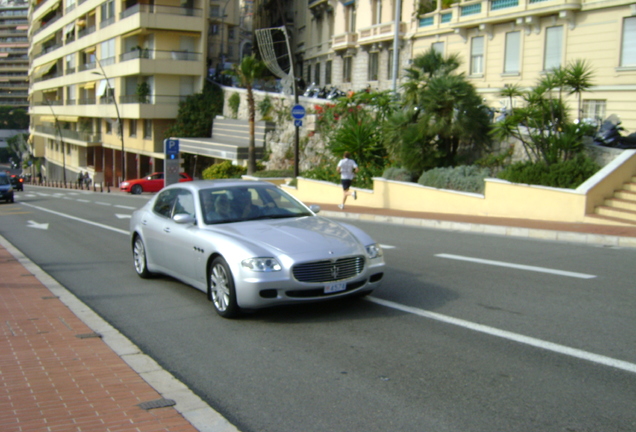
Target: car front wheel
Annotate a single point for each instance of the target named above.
(139, 258)
(136, 190)
(221, 289)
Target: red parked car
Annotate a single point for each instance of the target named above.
(152, 183)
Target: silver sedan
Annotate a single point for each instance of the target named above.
(249, 245)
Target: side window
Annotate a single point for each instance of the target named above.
(184, 203)
(165, 202)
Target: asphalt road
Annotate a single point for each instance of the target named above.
(467, 333)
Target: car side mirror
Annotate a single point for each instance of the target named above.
(184, 218)
(314, 208)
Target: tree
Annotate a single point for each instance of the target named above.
(543, 125)
(13, 118)
(578, 79)
(249, 70)
(195, 115)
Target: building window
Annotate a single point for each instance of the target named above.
(214, 29)
(132, 127)
(346, 70)
(107, 52)
(377, 11)
(513, 48)
(109, 127)
(628, 48)
(215, 11)
(477, 56)
(553, 48)
(350, 16)
(594, 110)
(107, 13)
(230, 33)
(328, 73)
(148, 129)
(373, 66)
(317, 73)
(438, 47)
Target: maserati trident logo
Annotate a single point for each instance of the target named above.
(334, 271)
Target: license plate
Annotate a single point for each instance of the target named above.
(337, 287)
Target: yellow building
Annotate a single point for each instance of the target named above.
(516, 41)
(96, 62)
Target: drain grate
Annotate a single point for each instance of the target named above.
(159, 403)
(88, 335)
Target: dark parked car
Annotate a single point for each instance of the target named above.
(17, 182)
(6, 189)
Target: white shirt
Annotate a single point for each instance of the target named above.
(346, 168)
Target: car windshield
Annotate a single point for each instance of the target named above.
(243, 203)
(4, 180)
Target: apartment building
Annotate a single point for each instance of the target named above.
(106, 81)
(14, 53)
(230, 33)
(503, 42)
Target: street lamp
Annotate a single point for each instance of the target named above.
(121, 125)
(59, 132)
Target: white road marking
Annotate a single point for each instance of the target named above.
(123, 216)
(125, 207)
(34, 224)
(518, 266)
(537, 343)
(82, 200)
(383, 246)
(117, 230)
(102, 203)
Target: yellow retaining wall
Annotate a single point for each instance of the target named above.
(500, 199)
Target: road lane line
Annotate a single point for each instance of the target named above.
(518, 266)
(125, 207)
(117, 230)
(537, 343)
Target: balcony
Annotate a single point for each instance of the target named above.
(166, 10)
(145, 53)
(483, 13)
(380, 33)
(86, 137)
(344, 41)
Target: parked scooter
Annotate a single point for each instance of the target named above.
(609, 134)
(335, 93)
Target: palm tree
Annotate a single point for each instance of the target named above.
(578, 77)
(511, 91)
(249, 70)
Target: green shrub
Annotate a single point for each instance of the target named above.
(234, 101)
(399, 174)
(465, 178)
(569, 174)
(223, 170)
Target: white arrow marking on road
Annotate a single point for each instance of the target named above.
(34, 224)
(518, 266)
(122, 216)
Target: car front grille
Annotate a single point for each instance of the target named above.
(327, 271)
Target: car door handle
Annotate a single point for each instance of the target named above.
(167, 230)
(144, 222)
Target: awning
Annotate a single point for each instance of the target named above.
(101, 90)
(4, 54)
(47, 119)
(72, 119)
(69, 28)
(52, 7)
(22, 27)
(89, 50)
(89, 85)
(43, 69)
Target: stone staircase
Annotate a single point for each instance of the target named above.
(621, 207)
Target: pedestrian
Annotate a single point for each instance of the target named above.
(80, 178)
(347, 168)
(87, 179)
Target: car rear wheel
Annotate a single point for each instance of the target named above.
(221, 289)
(136, 189)
(139, 258)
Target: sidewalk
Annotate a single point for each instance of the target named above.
(63, 368)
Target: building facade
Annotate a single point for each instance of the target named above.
(14, 53)
(106, 81)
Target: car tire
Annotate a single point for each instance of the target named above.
(139, 258)
(136, 189)
(221, 290)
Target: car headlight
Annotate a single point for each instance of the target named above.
(124, 184)
(374, 250)
(264, 264)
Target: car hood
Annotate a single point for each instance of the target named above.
(294, 236)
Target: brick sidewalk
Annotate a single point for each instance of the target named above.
(55, 377)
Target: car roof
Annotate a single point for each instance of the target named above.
(198, 185)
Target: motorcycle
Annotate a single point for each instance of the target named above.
(335, 93)
(609, 134)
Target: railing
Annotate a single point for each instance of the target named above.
(106, 22)
(70, 70)
(87, 101)
(167, 10)
(70, 102)
(47, 24)
(446, 18)
(145, 53)
(502, 4)
(88, 137)
(48, 77)
(85, 31)
(427, 21)
(87, 66)
(470, 9)
(153, 99)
